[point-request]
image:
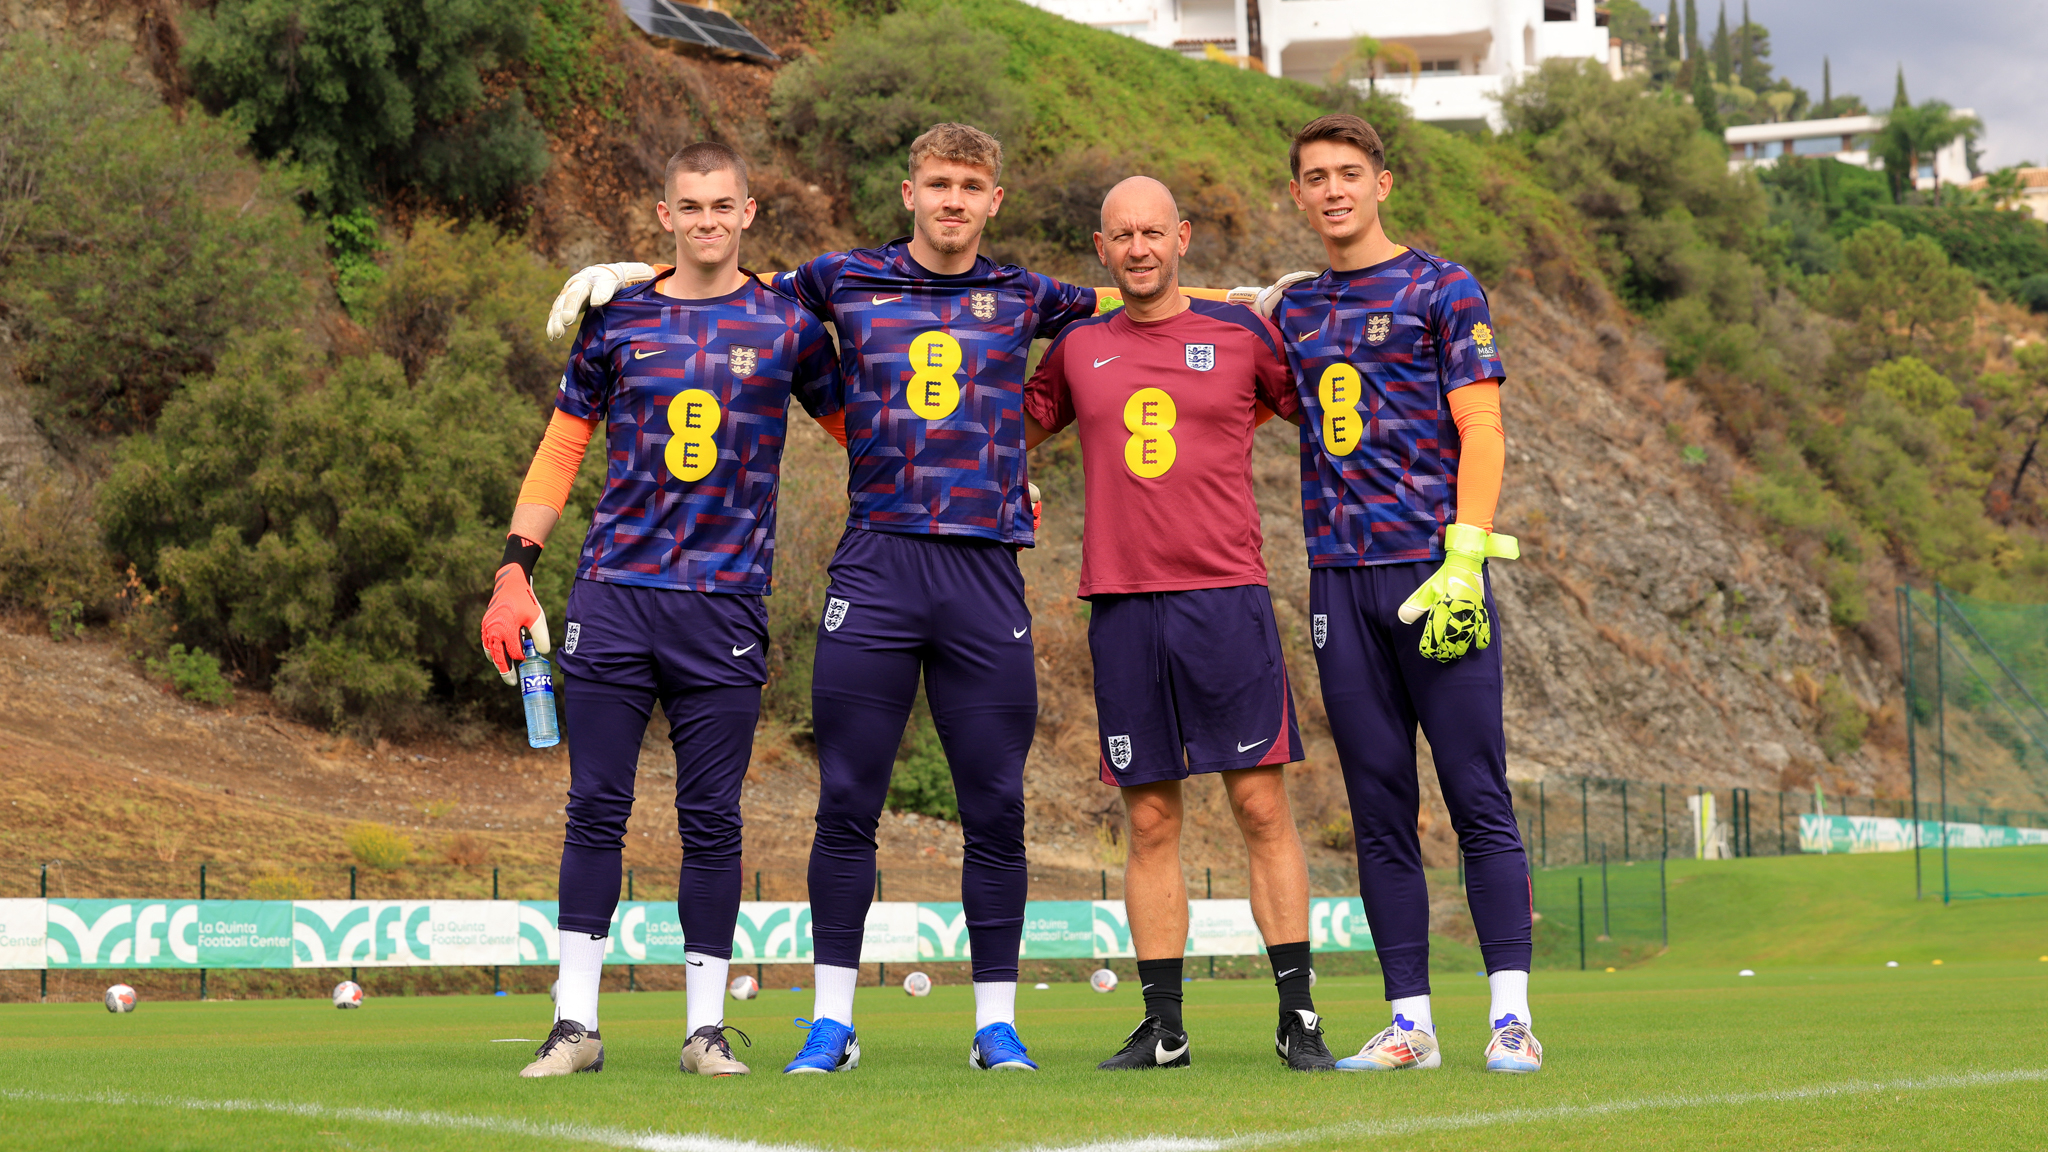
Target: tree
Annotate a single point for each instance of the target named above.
(373, 95)
(1368, 55)
(1754, 70)
(1723, 51)
(1674, 42)
(1704, 100)
(1903, 298)
(1692, 30)
(1629, 22)
(1915, 132)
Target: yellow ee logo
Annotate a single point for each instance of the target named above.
(934, 391)
(1150, 415)
(1343, 425)
(693, 416)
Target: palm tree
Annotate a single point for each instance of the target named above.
(1368, 54)
(1912, 132)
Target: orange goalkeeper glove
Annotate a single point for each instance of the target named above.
(513, 609)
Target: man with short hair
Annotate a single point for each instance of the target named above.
(691, 374)
(1402, 450)
(1166, 393)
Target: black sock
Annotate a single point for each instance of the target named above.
(1291, 965)
(1161, 981)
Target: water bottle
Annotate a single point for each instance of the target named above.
(537, 686)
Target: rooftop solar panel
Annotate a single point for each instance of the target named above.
(694, 25)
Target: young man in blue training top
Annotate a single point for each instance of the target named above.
(925, 582)
(1402, 453)
(691, 375)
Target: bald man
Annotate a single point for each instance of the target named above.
(1165, 394)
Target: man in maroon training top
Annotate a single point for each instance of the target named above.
(1166, 393)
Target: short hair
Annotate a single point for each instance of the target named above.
(703, 158)
(1343, 128)
(960, 143)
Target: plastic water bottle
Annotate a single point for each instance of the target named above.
(537, 686)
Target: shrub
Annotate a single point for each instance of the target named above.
(377, 846)
(922, 782)
(51, 560)
(332, 530)
(2033, 292)
(374, 95)
(280, 886)
(465, 851)
(134, 242)
(1842, 721)
(195, 674)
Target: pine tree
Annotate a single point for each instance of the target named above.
(1899, 101)
(1724, 54)
(1827, 88)
(1692, 29)
(1704, 101)
(1742, 58)
(1674, 46)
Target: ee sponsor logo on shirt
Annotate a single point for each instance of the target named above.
(934, 382)
(1150, 415)
(1340, 390)
(694, 418)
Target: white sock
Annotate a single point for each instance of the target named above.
(833, 999)
(1510, 996)
(582, 965)
(704, 990)
(1414, 1011)
(994, 1003)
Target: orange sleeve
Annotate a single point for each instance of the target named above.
(1261, 414)
(556, 460)
(1483, 451)
(835, 426)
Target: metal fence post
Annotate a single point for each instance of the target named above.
(1542, 825)
(1663, 821)
(1941, 735)
(1105, 883)
(633, 970)
(1585, 826)
(497, 984)
(1624, 821)
(1606, 922)
(1582, 923)
(43, 890)
(1664, 903)
(1209, 885)
(1781, 823)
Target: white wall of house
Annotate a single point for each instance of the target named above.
(1469, 48)
(1844, 138)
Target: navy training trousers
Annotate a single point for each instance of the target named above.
(1377, 687)
(698, 654)
(951, 609)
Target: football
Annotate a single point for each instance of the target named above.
(552, 989)
(1311, 977)
(744, 988)
(348, 994)
(917, 984)
(1103, 980)
(120, 998)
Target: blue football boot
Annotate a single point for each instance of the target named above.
(831, 1047)
(997, 1046)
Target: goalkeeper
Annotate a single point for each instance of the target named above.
(1399, 372)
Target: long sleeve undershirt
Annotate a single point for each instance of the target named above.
(1482, 452)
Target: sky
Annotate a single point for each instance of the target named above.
(1989, 55)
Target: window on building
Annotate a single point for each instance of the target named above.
(1441, 68)
(1560, 11)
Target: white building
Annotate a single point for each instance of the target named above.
(1843, 138)
(1468, 49)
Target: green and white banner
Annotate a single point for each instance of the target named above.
(1831, 834)
(411, 933)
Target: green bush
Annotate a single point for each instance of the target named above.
(372, 96)
(922, 782)
(857, 109)
(332, 530)
(133, 241)
(195, 674)
(378, 846)
(51, 560)
(2000, 249)
(1842, 721)
(2033, 292)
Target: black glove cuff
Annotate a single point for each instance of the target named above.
(523, 552)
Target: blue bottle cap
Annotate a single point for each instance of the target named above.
(526, 646)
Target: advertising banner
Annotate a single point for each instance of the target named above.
(1820, 833)
(409, 933)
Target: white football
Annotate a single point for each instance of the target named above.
(552, 989)
(1311, 977)
(917, 984)
(1103, 980)
(744, 988)
(120, 998)
(348, 994)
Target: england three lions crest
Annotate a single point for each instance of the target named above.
(742, 361)
(1378, 327)
(1201, 357)
(982, 304)
(1119, 752)
(835, 613)
(1319, 628)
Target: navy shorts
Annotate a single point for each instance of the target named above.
(1189, 682)
(663, 639)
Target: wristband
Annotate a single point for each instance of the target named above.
(523, 552)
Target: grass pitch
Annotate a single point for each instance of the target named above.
(1824, 1048)
(1867, 1057)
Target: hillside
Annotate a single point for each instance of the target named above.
(1655, 630)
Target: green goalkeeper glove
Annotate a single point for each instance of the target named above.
(1455, 597)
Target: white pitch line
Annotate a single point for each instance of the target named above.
(651, 1141)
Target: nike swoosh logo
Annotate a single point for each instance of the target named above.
(1290, 971)
(640, 355)
(1100, 363)
(1020, 632)
(1252, 745)
(886, 299)
(743, 651)
(693, 963)
(1165, 1055)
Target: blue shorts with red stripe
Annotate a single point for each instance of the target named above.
(1189, 682)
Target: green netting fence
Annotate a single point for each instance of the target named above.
(1976, 679)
